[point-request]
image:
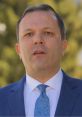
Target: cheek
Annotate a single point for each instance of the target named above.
(24, 50)
(56, 50)
(25, 46)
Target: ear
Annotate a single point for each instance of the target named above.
(64, 46)
(17, 47)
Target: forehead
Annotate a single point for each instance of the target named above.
(38, 18)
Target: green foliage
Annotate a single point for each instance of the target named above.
(11, 68)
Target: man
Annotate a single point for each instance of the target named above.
(41, 45)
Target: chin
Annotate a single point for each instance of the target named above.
(39, 66)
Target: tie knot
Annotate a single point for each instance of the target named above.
(42, 87)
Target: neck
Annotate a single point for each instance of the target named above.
(43, 76)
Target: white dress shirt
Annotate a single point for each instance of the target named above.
(31, 93)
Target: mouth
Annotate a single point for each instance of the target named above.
(39, 53)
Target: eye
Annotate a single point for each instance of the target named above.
(28, 34)
(48, 33)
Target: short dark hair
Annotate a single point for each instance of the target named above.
(43, 7)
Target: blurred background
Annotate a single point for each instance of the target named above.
(11, 68)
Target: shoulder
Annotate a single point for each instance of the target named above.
(8, 94)
(8, 87)
(72, 81)
(75, 79)
(13, 86)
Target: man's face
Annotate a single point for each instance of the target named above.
(40, 45)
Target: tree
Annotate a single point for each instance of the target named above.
(11, 68)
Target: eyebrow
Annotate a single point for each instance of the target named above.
(29, 29)
(47, 28)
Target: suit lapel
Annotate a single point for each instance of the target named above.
(16, 100)
(68, 97)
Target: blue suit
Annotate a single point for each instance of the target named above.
(69, 104)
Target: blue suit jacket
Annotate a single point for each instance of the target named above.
(69, 104)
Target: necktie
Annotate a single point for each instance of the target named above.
(42, 106)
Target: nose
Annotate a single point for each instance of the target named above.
(38, 39)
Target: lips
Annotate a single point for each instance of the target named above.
(38, 52)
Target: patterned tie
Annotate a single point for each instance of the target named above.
(42, 106)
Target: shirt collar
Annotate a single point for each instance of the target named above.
(56, 81)
(53, 82)
(33, 83)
